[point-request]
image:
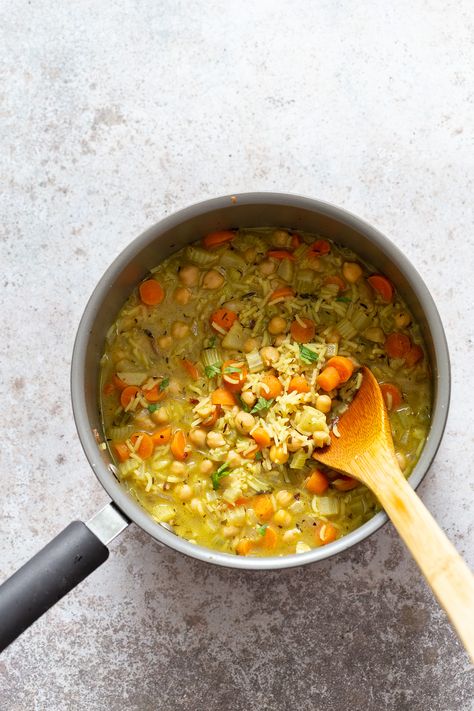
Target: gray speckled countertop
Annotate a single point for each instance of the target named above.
(114, 114)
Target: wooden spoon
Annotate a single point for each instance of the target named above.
(365, 452)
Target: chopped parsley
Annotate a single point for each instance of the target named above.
(261, 529)
(262, 404)
(164, 383)
(219, 474)
(307, 355)
(243, 404)
(232, 369)
(212, 370)
(258, 456)
(344, 299)
(212, 342)
(153, 407)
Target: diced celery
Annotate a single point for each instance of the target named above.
(200, 256)
(255, 361)
(346, 329)
(232, 259)
(285, 270)
(211, 356)
(233, 339)
(327, 505)
(360, 320)
(298, 460)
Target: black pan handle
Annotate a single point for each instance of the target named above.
(49, 575)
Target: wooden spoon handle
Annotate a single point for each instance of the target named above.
(444, 569)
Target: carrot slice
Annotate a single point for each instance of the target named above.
(382, 286)
(329, 379)
(317, 482)
(397, 345)
(146, 446)
(319, 248)
(269, 538)
(224, 397)
(223, 318)
(178, 446)
(391, 395)
(303, 333)
(244, 546)
(154, 394)
(122, 450)
(261, 437)
(282, 292)
(337, 281)
(345, 483)
(343, 365)
(325, 533)
(191, 368)
(262, 505)
(234, 375)
(281, 254)
(215, 239)
(128, 394)
(298, 384)
(161, 437)
(151, 292)
(414, 355)
(271, 387)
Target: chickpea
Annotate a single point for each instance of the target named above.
(334, 336)
(215, 439)
(267, 267)
(165, 342)
(323, 403)
(278, 454)
(402, 319)
(351, 272)
(291, 535)
(375, 334)
(206, 466)
(178, 468)
(277, 325)
(198, 437)
(234, 459)
(160, 416)
(189, 275)
(284, 498)
(295, 441)
(182, 295)
(250, 255)
(251, 344)
(197, 506)
(282, 518)
(249, 398)
(280, 238)
(302, 547)
(213, 279)
(230, 531)
(179, 329)
(402, 460)
(244, 422)
(279, 340)
(184, 492)
(269, 355)
(313, 263)
(143, 422)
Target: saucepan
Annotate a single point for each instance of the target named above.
(82, 547)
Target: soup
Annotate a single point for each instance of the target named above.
(231, 363)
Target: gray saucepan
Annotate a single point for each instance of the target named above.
(82, 547)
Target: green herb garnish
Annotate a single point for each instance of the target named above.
(307, 355)
(153, 407)
(261, 529)
(262, 404)
(212, 370)
(219, 474)
(232, 369)
(243, 405)
(212, 342)
(258, 456)
(164, 383)
(344, 299)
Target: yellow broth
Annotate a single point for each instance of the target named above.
(217, 385)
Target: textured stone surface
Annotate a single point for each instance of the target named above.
(113, 114)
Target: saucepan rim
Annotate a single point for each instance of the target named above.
(118, 493)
